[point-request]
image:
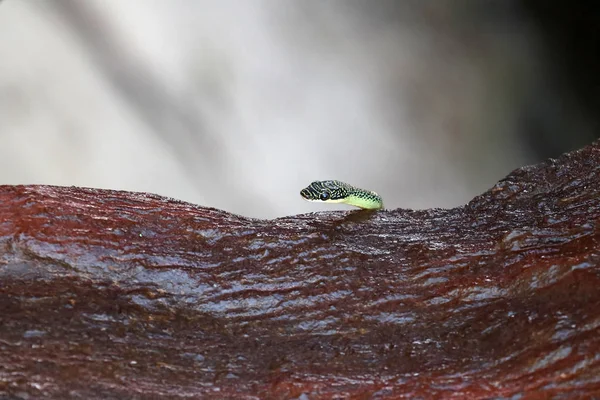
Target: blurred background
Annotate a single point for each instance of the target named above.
(239, 104)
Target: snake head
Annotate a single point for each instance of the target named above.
(340, 192)
(327, 191)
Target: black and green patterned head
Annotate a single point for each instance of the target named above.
(340, 192)
(328, 191)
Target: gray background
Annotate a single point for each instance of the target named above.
(239, 104)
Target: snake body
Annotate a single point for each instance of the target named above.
(340, 192)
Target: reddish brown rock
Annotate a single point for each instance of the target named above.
(107, 294)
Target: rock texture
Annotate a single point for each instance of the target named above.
(107, 294)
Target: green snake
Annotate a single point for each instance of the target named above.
(340, 192)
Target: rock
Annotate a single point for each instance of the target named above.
(108, 294)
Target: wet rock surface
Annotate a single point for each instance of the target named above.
(107, 294)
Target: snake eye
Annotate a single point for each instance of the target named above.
(324, 196)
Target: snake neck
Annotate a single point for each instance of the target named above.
(364, 199)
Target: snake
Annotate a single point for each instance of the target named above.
(341, 192)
